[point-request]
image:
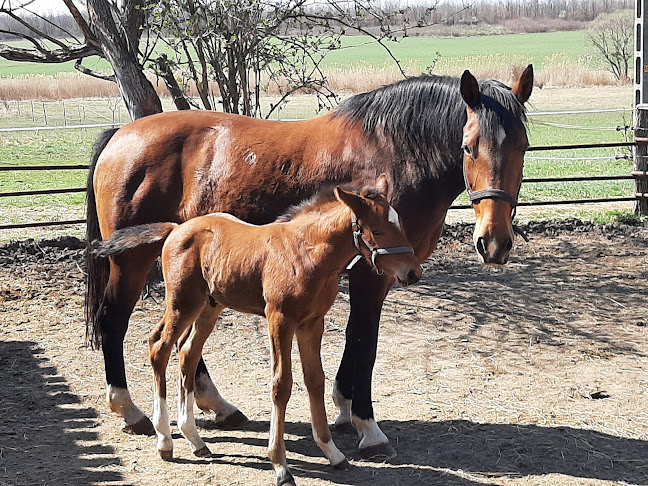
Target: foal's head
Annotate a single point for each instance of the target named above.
(378, 232)
(494, 143)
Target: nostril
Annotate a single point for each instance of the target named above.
(413, 276)
(481, 246)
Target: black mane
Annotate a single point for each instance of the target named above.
(424, 116)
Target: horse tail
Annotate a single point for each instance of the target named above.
(132, 237)
(97, 270)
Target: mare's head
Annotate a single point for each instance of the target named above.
(494, 143)
(378, 232)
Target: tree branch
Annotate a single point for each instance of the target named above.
(95, 74)
(48, 56)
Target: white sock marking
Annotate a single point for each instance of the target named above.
(162, 424)
(187, 422)
(369, 432)
(343, 405)
(209, 399)
(119, 401)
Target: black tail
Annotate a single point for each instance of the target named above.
(97, 269)
(132, 237)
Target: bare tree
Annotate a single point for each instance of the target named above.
(247, 47)
(612, 34)
(111, 29)
(242, 46)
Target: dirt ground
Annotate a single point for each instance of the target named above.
(534, 373)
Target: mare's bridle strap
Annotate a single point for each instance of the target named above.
(357, 238)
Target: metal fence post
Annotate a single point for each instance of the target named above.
(641, 108)
(641, 159)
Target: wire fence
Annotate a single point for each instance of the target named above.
(112, 117)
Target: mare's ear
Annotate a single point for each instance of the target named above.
(382, 185)
(352, 200)
(524, 86)
(469, 89)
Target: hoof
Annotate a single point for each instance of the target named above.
(378, 451)
(233, 420)
(342, 465)
(286, 480)
(166, 455)
(143, 427)
(344, 427)
(202, 452)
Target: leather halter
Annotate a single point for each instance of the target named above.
(357, 238)
(475, 196)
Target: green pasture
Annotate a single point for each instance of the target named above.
(528, 48)
(421, 51)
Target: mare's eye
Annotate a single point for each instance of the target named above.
(376, 232)
(467, 150)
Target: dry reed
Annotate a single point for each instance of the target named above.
(557, 70)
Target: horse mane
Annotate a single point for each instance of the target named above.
(323, 197)
(408, 113)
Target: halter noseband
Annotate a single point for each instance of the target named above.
(489, 193)
(357, 238)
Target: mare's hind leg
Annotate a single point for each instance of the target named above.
(352, 391)
(127, 278)
(190, 349)
(309, 339)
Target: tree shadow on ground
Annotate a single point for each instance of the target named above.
(44, 434)
(457, 452)
(546, 295)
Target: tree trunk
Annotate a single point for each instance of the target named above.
(121, 52)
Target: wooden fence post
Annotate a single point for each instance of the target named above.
(641, 159)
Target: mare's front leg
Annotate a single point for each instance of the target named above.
(281, 331)
(352, 390)
(190, 349)
(128, 274)
(309, 339)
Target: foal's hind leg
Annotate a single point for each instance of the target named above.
(208, 399)
(127, 277)
(190, 349)
(309, 338)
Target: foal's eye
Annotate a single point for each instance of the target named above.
(376, 232)
(466, 148)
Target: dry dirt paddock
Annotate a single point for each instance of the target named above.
(530, 374)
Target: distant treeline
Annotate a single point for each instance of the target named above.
(452, 12)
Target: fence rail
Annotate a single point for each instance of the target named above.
(633, 175)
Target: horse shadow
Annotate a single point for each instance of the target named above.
(44, 428)
(457, 453)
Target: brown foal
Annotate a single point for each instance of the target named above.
(288, 271)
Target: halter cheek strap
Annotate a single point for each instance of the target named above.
(357, 238)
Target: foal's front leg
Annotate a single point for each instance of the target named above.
(309, 338)
(281, 331)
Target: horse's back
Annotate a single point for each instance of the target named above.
(177, 165)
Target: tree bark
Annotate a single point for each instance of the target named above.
(137, 91)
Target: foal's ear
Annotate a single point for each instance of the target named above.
(382, 185)
(352, 200)
(469, 89)
(524, 85)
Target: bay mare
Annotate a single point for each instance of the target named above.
(433, 136)
(287, 271)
